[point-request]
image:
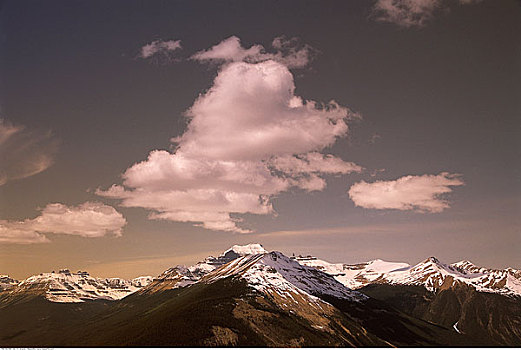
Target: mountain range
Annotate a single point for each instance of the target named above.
(248, 296)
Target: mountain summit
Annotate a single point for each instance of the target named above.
(277, 273)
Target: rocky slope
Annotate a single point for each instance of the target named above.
(7, 282)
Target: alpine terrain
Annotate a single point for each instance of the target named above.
(248, 296)
(482, 303)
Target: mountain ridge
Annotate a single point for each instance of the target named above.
(66, 286)
(246, 296)
(431, 273)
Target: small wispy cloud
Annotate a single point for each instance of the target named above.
(160, 48)
(374, 138)
(90, 219)
(286, 51)
(419, 193)
(23, 152)
(412, 13)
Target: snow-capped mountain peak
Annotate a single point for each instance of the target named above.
(234, 252)
(181, 275)
(200, 269)
(248, 249)
(431, 273)
(275, 272)
(433, 265)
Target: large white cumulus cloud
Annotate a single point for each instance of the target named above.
(249, 137)
(251, 113)
(420, 193)
(90, 219)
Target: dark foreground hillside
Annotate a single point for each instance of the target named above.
(490, 319)
(226, 312)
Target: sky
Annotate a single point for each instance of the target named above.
(139, 135)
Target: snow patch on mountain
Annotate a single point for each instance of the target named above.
(142, 281)
(357, 275)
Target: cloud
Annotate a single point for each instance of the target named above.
(19, 232)
(160, 47)
(229, 50)
(411, 13)
(419, 193)
(305, 168)
(24, 153)
(406, 13)
(249, 138)
(374, 138)
(287, 52)
(90, 219)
